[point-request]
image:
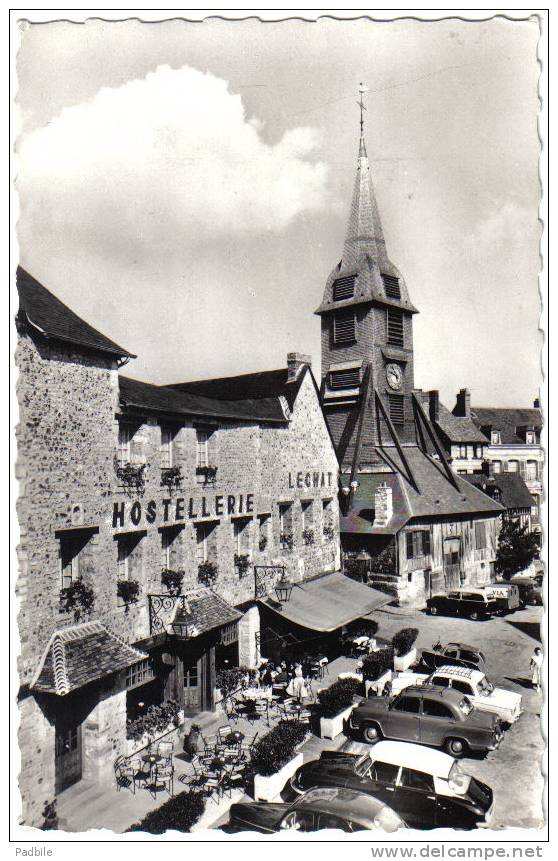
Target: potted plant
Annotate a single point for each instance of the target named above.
(131, 475)
(128, 591)
(192, 741)
(262, 544)
(405, 651)
(172, 580)
(286, 540)
(77, 598)
(241, 564)
(308, 536)
(207, 573)
(50, 816)
(275, 758)
(335, 705)
(171, 476)
(377, 670)
(329, 532)
(209, 473)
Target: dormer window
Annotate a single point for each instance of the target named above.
(344, 327)
(495, 437)
(344, 288)
(391, 286)
(395, 327)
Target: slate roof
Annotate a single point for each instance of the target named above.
(434, 495)
(81, 654)
(165, 399)
(55, 320)
(205, 610)
(259, 386)
(456, 429)
(506, 420)
(514, 491)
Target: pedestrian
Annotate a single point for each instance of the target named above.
(536, 667)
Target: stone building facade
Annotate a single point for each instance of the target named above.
(120, 481)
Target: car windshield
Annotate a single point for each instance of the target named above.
(466, 706)
(485, 687)
(363, 764)
(458, 780)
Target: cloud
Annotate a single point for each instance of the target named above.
(172, 152)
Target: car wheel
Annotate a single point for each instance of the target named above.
(433, 611)
(473, 615)
(456, 747)
(372, 733)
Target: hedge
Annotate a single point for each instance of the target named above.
(277, 747)
(377, 663)
(404, 640)
(176, 814)
(338, 697)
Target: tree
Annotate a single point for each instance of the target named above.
(516, 549)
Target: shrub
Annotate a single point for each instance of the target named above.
(286, 540)
(353, 568)
(262, 543)
(308, 536)
(171, 476)
(172, 580)
(276, 748)
(131, 475)
(154, 721)
(329, 533)
(241, 563)
(209, 473)
(230, 680)
(128, 591)
(176, 814)
(207, 573)
(404, 640)
(77, 598)
(338, 697)
(376, 664)
(385, 562)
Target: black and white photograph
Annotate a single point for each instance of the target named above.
(278, 333)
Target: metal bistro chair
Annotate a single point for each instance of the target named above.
(222, 734)
(162, 778)
(209, 743)
(212, 784)
(165, 750)
(126, 772)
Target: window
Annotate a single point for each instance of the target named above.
(531, 470)
(480, 535)
(347, 379)
(513, 466)
(412, 779)
(130, 557)
(395, 327)
(469, 656)
(433, 708)
(202, 535)
(124, 443)
(407, 704)
(286, 518)
(385, 772)
(241, 537)
(344, 327)
(495, 437)
(497, 466)
(418, 544)
(138, 674)
(123, 555)
(69, 559)
(344, 288)
(391, 286)
(479, 451)
(327, 515)
(396, 405)
(307, 514)
(202, 439)
(462, 687)
(440, 681)
(462, 450)
(169, 547)
(167, 438)
(264, 537)
(298, 820)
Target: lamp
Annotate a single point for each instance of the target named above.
(184, 629)
(283, 590)
(354, 485)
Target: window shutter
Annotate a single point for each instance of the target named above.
(426, 544)
(409, 537)
(344, 288)
(344, 327)
(391, 286)
(345, 379)
(395, 327)
(396, 409)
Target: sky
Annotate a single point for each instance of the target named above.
(185, 187)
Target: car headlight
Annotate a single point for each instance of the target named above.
(388, 820)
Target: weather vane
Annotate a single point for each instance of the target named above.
(362, 89)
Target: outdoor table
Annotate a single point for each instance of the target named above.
(235, 737)
(257, 694)
(152, 758)
(360, 641)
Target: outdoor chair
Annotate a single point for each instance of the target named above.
(162, 778)
(234, 777)
(197, 775)
(165, 750)
(222, 733)
(233, 709)
(212, 785)
(125, 772)
(209, 743)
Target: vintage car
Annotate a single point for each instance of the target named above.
(506, 595)
(429, 715)
(459, 654)
(426, 787)
(473, 683)
(325, 807)
(473, 603)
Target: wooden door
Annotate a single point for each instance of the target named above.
(67, 756)
(192, 688)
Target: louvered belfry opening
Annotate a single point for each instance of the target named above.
(391, 285)
(344, 288)
(347, 379)
(396, 409)
(395, 327)
(344, 327)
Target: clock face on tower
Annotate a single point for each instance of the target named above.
(394, 376)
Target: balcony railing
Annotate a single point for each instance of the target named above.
(419, 562)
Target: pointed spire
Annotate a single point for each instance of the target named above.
(364, 231)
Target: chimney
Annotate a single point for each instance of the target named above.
(488, 468)
(296, 361)
(434, 405)
(463, 404)
(383, 505)
(537, 404)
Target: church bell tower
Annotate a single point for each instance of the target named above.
(367, 336)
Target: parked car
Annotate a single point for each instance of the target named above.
(426, 787)
(506, 595)
(459, 654)
(473, 683)
(326, 807)
(473, 603)
(529, 591)
(429, 715)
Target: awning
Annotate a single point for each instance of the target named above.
(328, 602)
(81, 654)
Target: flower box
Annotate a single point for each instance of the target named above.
(332, 727)
(266, 788)
(377, 685)
(403, 662)
(133, 746)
